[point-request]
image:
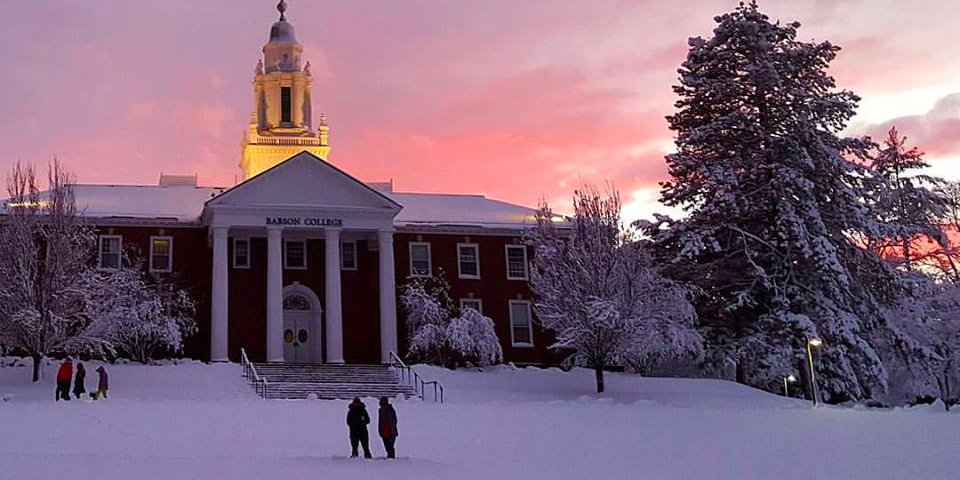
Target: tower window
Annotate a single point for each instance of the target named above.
(285, 105)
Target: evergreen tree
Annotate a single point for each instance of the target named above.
(910, 210)
(776, 210)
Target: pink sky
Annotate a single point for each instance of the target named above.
(514, 99)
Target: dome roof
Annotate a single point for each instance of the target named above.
(282, 32)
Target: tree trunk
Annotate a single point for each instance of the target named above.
(37, 363)
(598, 371)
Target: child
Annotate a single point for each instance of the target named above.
(102, 384)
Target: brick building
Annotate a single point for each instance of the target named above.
(301, 262)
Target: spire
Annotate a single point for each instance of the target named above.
(282, 7)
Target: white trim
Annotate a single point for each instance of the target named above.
(526, 262)
(100, 240)
(286, 265)
(356, 255)
(170, 261)
(476, 249)
(233, 259)
(478, 300)
(429, 260)
(511, 303)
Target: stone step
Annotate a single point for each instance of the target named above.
(297, 381)
(343, 390)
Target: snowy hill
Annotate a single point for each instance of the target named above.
(202, 421)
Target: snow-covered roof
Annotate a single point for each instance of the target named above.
(184, 204)
(440, 210)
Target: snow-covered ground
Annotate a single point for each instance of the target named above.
(195, 421)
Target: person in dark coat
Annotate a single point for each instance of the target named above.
(102, 384)
(387, 426)
(64, 375)
(79, 387)
(357, 420)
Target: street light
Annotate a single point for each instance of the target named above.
(813, 343)
(786, 387)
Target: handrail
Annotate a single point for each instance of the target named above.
(413, 379)
(250, 372)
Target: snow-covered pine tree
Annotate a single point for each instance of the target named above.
(595, 288)
(774, 199)
(909, 208)
(45, 250)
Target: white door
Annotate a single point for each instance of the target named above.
(297, 336)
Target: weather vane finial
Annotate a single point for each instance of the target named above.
(282, 7)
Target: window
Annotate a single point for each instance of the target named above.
(420, 259)
(468, 255)
(474, 303)
(241, 253)
(285, 105)
(348, 255)
(521, 327)
(295, 254)
(516, 262)
(161, 254)
(110, 248)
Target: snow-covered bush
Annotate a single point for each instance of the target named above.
(595, 287)
(923, 359)
(435, 337)
(137, 318)
(474, 338)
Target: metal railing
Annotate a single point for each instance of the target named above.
(250, 373)
(413, 379)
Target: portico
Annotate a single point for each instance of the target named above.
(303, 200)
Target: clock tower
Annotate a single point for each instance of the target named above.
(281, 123)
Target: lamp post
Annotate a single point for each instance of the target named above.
(786, 381)
(813, 343)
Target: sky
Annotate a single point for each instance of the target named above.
(518, 100)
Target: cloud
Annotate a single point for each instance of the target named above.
(936, 132)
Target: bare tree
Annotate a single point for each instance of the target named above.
(595, 288)
(45, 250)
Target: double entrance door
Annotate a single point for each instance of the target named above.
(298, 336)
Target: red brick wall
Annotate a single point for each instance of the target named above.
(361, 316)
(492, 287)
(191, 271)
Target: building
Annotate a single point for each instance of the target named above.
(301, 262)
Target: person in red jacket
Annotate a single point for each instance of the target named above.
(64, 375)
(387, 424)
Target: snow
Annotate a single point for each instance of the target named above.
(192, 420)
(184, 204)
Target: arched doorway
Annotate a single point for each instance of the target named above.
(301, 325)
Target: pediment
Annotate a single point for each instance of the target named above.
(305, 181)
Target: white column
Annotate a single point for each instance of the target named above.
(388, 297)
(334, 310)
(219, 298)
(274, 294)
